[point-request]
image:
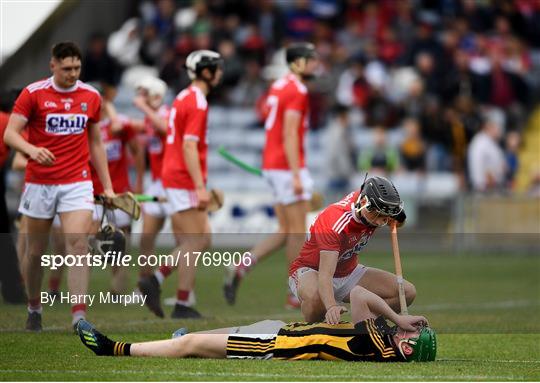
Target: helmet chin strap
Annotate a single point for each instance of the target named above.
(358, 211)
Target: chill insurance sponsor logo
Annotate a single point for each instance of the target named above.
(64, 124)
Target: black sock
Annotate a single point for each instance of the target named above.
(121, 349)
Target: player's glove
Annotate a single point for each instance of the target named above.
(401, 217)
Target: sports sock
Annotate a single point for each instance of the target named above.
(162, 273)
(182, 297)
(78, 312)
(121, 349)
(107, 346)
(244, 268)
(54, 284)
(34, 306)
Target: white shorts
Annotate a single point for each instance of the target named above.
(281, 183)
(45, 201)
(156, 209)
(56, 223)
(180, 200)
(342, 286)
(260, 329)
(116, 217)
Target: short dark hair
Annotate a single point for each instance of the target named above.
(66, 49)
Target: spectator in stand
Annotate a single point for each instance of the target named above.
(413, 148)
(251, 86)
(486, 160)
(233, 67)
(352, 88)
(163, 19)
(99, 66)
(460, 81)
(299, 21)
(424, 42)
(125, 43)
(152, 45)
(403, 22)
(340, 152)
(437, 135)
(379, 158)
(508, 91)
(477, 16)
(426, 66)
(390, 45)
(270, 19)
(513, 141)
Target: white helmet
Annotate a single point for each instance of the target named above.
(198, 60)
(153, 85)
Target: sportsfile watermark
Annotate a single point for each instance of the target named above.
(465, 283)
(113, 258)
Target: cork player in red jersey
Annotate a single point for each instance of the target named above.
(149, 100)
(61, 115)
(284, 163)
(327, 269)
(184, 176)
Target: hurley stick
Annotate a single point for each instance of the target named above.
(399, 272)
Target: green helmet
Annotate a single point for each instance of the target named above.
(424, 346)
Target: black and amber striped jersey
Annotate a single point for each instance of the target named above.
(369, 340)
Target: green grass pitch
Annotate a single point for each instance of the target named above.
(484, 308)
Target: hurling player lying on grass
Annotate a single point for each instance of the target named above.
(371, 339)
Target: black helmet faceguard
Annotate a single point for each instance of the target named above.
(199, 60)
(209, 63)
(382, 197)
(299, 50)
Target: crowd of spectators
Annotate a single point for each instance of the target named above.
(444, 71)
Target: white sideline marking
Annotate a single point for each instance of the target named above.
(264, 375)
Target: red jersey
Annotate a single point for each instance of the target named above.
(156, 143)
(115, 147)
(336, 228)
(187, 121)
(285, 94)
(57, 120)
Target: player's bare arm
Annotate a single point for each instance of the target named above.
(292, 121)
(191, 157)
(99, 159)
(327, 267)
(110, 111)
(361, 297)
(137, 152)
(159, 123)
(13, 138)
